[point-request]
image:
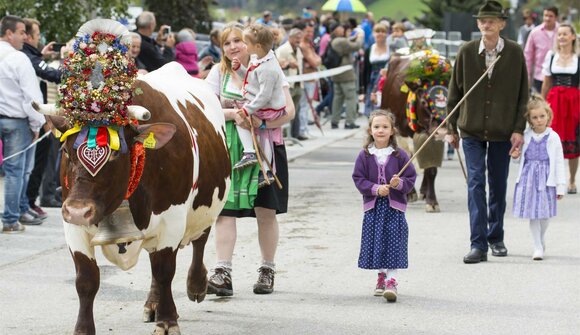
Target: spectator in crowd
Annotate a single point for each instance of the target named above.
(44, 171)
(213, 49)
(292, 62)
(134, 51)
(344, 84)
(367, 25)
(540, 41)
(376, 59)
(154, 52)
(561, 88)
(266, 18)
(19, 122)
(244, 199)
(186, 51)
(396, 40)
(491, 121)
(311, 63)
(526, 28)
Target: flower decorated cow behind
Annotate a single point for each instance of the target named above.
(144, 166)
(416, 92)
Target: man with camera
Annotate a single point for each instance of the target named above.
(44, 171)
(154, 52)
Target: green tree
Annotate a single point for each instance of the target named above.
(182, 14)
(60, 19)
(433, 15)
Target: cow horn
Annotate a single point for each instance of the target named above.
(138, 113)
(46, 109)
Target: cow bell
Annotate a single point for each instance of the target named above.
(118, 227)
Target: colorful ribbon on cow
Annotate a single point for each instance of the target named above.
(411, 111)
(97, 136)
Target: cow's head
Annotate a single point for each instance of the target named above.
(427, 106)
(90, 196)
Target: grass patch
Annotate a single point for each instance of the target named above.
(396, 9)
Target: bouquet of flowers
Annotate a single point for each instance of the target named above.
(97, 81)
(429, 67)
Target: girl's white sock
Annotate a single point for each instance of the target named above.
(544, 223)
(391, 273)
(536, 230)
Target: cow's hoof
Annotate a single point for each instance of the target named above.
(196, 296)
(432, 208)
(412, 197)
(197, 285)
(422, 196)
(167, 328)
(148, 314)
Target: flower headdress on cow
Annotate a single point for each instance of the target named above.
(432, 73)
(96, 90)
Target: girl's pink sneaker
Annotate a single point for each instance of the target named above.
(391, 290)
(380, 289)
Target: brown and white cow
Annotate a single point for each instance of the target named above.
(395, 99)
(183, 188)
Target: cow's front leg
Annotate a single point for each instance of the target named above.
(163, 270)
(87, 285)
(432, 205)
(197, 275)
(150, 307)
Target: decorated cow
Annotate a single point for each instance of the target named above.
(416, 92)
(144, 166)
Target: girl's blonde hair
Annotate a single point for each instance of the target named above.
(369, 138)
(259, 34)
(237, 29)
(380, 27)
(575, 48)
(537, 102)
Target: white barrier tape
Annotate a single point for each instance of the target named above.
(318, 75)
(28, 147)
(447, 42)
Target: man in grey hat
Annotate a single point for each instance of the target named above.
(491, 123)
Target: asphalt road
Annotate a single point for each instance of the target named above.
(319, 289)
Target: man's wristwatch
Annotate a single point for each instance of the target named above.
(263, 125)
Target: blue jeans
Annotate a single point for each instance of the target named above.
(327, 101)
(16, 136)
(486, 219)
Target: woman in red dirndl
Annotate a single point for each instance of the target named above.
(561, 88)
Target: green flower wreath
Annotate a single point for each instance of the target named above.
(429, 67)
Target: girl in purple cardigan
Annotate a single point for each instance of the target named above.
(385, 232)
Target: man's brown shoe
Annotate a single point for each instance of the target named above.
(14, 228)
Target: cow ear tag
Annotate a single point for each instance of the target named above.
(150, 141)
(93, 159)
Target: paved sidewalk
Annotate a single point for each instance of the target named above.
(318, 139)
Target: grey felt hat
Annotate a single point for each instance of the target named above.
(491, 9)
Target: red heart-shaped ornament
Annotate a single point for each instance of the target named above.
(93, 159)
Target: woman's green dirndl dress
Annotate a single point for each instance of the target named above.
(244, 185)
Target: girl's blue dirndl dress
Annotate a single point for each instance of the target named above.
(385, 236)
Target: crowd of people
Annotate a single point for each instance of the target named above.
(246, 65)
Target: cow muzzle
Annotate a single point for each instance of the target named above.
(79, 212)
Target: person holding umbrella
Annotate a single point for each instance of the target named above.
(491, 123)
